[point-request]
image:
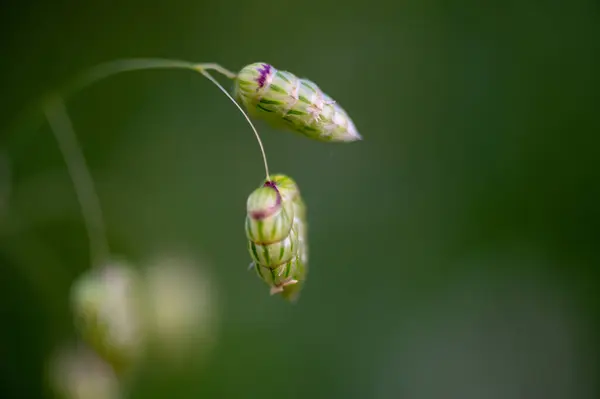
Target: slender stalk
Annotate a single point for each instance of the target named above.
(262, 148)
(61, 125)
(62, 128)
(110, 68)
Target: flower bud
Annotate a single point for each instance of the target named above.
(109, 316)
(281, 264)
(299, 105)
(181, 308)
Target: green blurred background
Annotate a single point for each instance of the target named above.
(453, 251)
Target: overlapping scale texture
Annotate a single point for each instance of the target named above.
(276, 230)
(296, 104)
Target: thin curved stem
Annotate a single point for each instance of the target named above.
(262, 148)
(110, 68)
(62, 128)
(61, 125)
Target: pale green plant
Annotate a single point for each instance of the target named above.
(276, 96)
(276, 224)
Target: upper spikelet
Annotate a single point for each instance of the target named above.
(286, 101)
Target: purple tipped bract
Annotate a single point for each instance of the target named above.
(271, 184)
(265, 213)
(264, 72)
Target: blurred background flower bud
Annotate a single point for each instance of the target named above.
(109, 313)
(77, 372)
(181, 308)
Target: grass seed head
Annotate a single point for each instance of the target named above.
(286, 101)
(107, 305)
(281, 263)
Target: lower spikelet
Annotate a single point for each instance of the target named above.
(299, 105)
(276, 231)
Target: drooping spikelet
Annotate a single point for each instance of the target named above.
(286, 101)
(276, 230)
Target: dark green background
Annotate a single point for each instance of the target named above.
(453, 251)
